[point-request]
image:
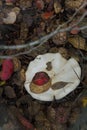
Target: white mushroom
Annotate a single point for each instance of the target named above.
(59, 70)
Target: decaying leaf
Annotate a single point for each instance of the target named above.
(84, 101)
(59, 85)
(64, 52)
(74, 115)
(42, 123)
(78, 42)
(17, 64)
(19, 78)
(47, 15)
(51, 114)
(9, 92)
(74, 4)
(2, 83)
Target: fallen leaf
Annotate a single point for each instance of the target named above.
(57, 7)
(2, 83)
(9, 92)
(84, 101)
(17, 64)
(47, 15)
(59, 85)
(78, 42)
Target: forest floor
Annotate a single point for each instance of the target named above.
(21, 23)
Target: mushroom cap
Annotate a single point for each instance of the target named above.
(59, 70)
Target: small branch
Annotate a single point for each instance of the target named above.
(34, 48)
(20, 53)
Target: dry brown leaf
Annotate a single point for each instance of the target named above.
(73, 4)
(59, 85)
(57, 7)
(9, 92)
(17, 64)
(78, 42)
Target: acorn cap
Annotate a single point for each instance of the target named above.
(59, 70)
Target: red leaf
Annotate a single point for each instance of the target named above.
(47, 15)
(7, 69)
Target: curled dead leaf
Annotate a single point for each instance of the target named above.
(17, 64)
(22, 75)
(57, 7)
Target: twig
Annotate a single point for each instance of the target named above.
(20, 53)
(34, 48)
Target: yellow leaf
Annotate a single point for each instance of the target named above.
(84, 101)
(2, 83)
